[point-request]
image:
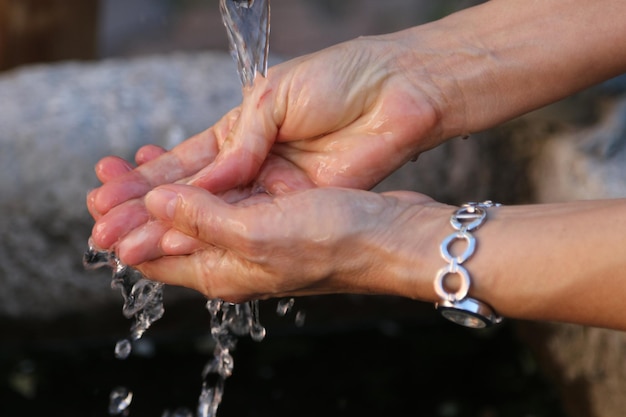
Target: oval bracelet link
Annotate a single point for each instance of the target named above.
(448, 241)
(457, 306)
(452, 269)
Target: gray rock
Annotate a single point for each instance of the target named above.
(586, 164)
(56, 122)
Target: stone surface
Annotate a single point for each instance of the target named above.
(55, 123)
(586, 164)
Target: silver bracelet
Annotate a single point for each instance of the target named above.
(457, 306)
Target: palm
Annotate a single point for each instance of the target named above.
(335, 118)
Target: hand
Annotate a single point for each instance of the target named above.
(322, 240)
(346, 116)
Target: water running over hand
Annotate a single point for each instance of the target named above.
(247, 23)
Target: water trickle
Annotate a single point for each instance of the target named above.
(284, 306)
(300, 318)
(228, 322)
(143, 299)
(247, 23)
(143, 303)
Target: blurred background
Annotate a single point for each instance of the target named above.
(34, 31)
(83, 78)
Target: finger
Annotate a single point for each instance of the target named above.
(211, 271)
(183, 271)
(175, 243)
(147, 153)
(280, 176)
(181, 162)
(142, 243)
(153, 240)
(112, 226)
(111, 167)
(201, 215)
(247, 142)
(91, 197)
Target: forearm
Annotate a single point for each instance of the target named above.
(496, 61)
(563, 262)
(555, 262)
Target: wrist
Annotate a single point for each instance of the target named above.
(455, 302)
(412, 256)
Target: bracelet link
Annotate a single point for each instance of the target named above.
(457, 306)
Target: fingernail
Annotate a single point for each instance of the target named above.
(162, 203)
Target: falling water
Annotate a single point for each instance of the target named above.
(247, 23)
(143, 304)
(143, 299)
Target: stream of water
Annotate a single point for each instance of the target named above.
(247, 23)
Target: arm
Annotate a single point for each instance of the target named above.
(496, 61)
(378, 101)
(561, 262)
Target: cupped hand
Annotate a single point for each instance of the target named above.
(317, 241)
(346, 116)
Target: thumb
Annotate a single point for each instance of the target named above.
(247, 144)
(196, 213)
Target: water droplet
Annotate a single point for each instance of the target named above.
(247, 24)
(95, 258)
(257, 332)
(123, 349)
(284, 306)
(119, 401)
(300, 318)
(214, 306)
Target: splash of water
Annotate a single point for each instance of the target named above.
(143, 299)
(143, 303)
(228, 323)
(284, 306)
(247, 24)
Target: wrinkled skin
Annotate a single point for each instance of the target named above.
(249, 208)
(252, 249)
(357, 125)
(249, 250)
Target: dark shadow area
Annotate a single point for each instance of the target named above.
(355, 356)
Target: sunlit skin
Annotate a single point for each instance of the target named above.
(269, 201)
